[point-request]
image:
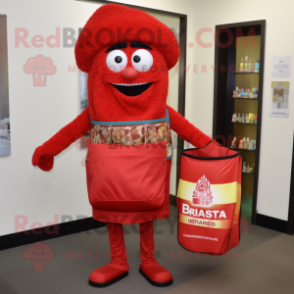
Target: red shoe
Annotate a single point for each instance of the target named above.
(156, 275)
(106, 275)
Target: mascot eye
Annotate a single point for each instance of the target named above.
(136, 58)
(142, 60)
(116, 60)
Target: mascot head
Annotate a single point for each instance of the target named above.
(127, 54)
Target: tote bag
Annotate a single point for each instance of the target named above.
(209, 199)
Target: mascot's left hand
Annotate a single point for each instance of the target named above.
(42, 159)
(43, 156)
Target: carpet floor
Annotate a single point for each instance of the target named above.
(263, 262)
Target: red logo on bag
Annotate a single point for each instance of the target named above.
(202, 195)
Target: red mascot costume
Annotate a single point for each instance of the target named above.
(127, 54)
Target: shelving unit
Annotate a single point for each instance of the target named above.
(247, 73)
(247, 124)
(248, 40)
(243, 149)
(246, 98)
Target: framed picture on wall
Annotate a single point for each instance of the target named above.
(280, 99)
(5, 146)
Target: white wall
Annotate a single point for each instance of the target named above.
(37, 113)
(277, 133)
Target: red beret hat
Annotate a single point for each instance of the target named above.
(113, 23)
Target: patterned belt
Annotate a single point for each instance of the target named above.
(133, 133)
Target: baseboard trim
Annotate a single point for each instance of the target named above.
(271, 223)
(46, 233)
(56, 231)
(173, 200)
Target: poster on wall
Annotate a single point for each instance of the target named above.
(5, 147)
(281, 67)
(280, 99)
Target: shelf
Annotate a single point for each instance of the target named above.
(245, 98)
(238, 123)
(243, 149)
(247, 73)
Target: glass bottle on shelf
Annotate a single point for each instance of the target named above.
(238, 119)
(241, 65)
(248, 144)
(255, 119)
(242, 118)
(244, 143)
(233, 143)
(234, 117)
(244, 167)
(257, 66)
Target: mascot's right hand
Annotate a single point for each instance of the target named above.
(43, 159)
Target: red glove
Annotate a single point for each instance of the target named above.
(43, 156)
(42, 159)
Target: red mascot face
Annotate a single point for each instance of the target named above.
(128, 81)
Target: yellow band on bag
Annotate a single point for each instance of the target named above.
(222, 193)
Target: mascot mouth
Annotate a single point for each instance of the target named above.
(132, 89)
